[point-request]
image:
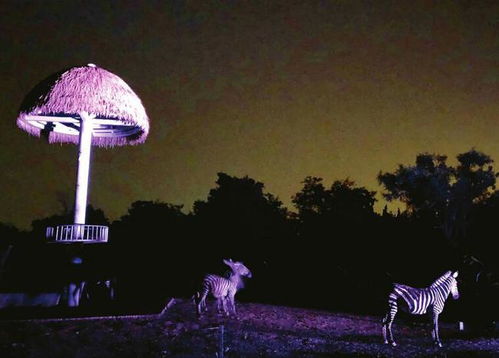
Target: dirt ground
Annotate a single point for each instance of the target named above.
(259, 331)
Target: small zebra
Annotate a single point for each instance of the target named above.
(418, 300)
(223, 289)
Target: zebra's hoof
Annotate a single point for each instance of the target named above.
(394, 344)
(438, 344)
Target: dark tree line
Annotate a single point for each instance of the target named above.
(332, 250)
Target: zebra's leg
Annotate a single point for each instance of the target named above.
(383, 329)
(224, 305)
(202, 301)
(387, 326)
(220, 302)
(434, 332)
(232, 301)
(196, 299)
(198, 307)
(388, 320)
(201, 306)
(390, 333)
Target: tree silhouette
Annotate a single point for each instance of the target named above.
(336, 230)
(475, 178)
(240, 216)
(9, 234)
(152, 244)
(149, 219)
(149, 230)
(482, 231)
(424, 188)
(313, 199)
(442, 194)
(327, 210)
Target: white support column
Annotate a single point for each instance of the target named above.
(85, 145)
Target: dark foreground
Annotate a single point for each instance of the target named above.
(260, 331)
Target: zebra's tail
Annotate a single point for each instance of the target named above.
(196, 297)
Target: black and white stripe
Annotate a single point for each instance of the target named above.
(223, 289)
(420, 301)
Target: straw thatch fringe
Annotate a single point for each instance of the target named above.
(88, 89)
(56, 137)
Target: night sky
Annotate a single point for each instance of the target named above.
(276, 90)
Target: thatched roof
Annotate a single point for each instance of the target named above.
(52, 108)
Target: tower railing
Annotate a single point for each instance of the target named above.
(77, 233)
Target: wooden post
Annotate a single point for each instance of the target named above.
(221, 342)
(3, 260)
(85, 145)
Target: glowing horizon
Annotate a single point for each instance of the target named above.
(276, 92)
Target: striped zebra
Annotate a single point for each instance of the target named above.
(418, 301)
(223, 289)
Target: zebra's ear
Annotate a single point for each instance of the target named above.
(455, 274)
(228, 262)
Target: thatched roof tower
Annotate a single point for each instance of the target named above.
(54, 105)
(88, 106)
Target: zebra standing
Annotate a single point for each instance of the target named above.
(418, 300)
(223, 289)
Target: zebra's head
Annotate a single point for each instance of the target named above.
(238, 268)
(453, 286)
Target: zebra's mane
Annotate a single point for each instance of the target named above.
(444, 278)
(228, 275)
